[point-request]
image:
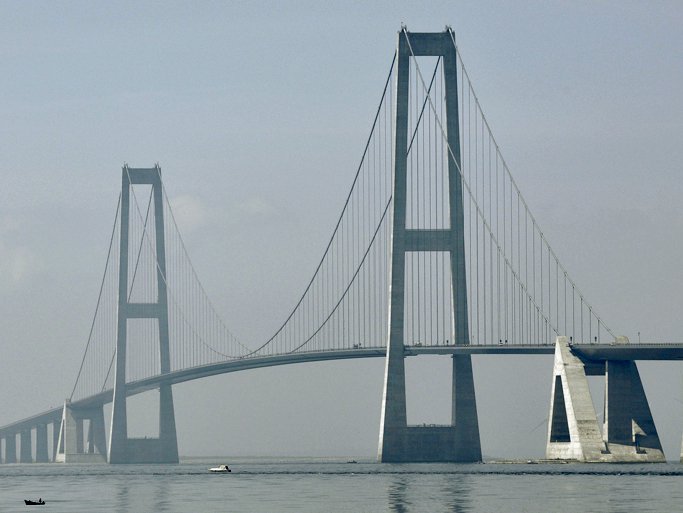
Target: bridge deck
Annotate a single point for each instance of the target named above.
(594, 352)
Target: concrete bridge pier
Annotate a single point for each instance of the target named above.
(79, 435)
(629, 434)
(464, 411)
(629, 428)
(41, 444)
(56, 425)
(26, 451)
(11, 448)
(70, 448)
(97, 438)
(66, 443)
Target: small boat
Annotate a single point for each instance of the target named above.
(220, 468)
(39, 502)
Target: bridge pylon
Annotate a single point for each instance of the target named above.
(123, 449)
(459, 441)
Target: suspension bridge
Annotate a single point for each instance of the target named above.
(435, 251)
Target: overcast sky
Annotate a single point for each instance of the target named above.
(257, 113)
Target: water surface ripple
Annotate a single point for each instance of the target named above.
(313, 485)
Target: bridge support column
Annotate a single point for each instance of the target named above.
(459, 441)
(41, 444)
(66, 443)
(56, 426)
(123, 449)
(11, 449)
(70, 441)
(97, 438)
(26, 450)
(629, 430)
(79, 435)
(573, 430)
(464, 411)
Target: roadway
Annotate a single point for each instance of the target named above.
(588, 352)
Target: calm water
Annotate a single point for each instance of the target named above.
(335, 486)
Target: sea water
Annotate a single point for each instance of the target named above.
(314, 485)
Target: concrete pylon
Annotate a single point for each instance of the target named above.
(460, 441)
(573, 429)
(123, 449)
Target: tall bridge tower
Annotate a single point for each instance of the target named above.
(397, 440)
(123, 449)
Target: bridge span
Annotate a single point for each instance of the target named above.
(435, 252)
(589, 353)
(258, 362)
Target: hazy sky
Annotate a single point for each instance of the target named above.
(257, 113)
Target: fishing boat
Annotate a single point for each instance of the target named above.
(39, 502)
(220, 468)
